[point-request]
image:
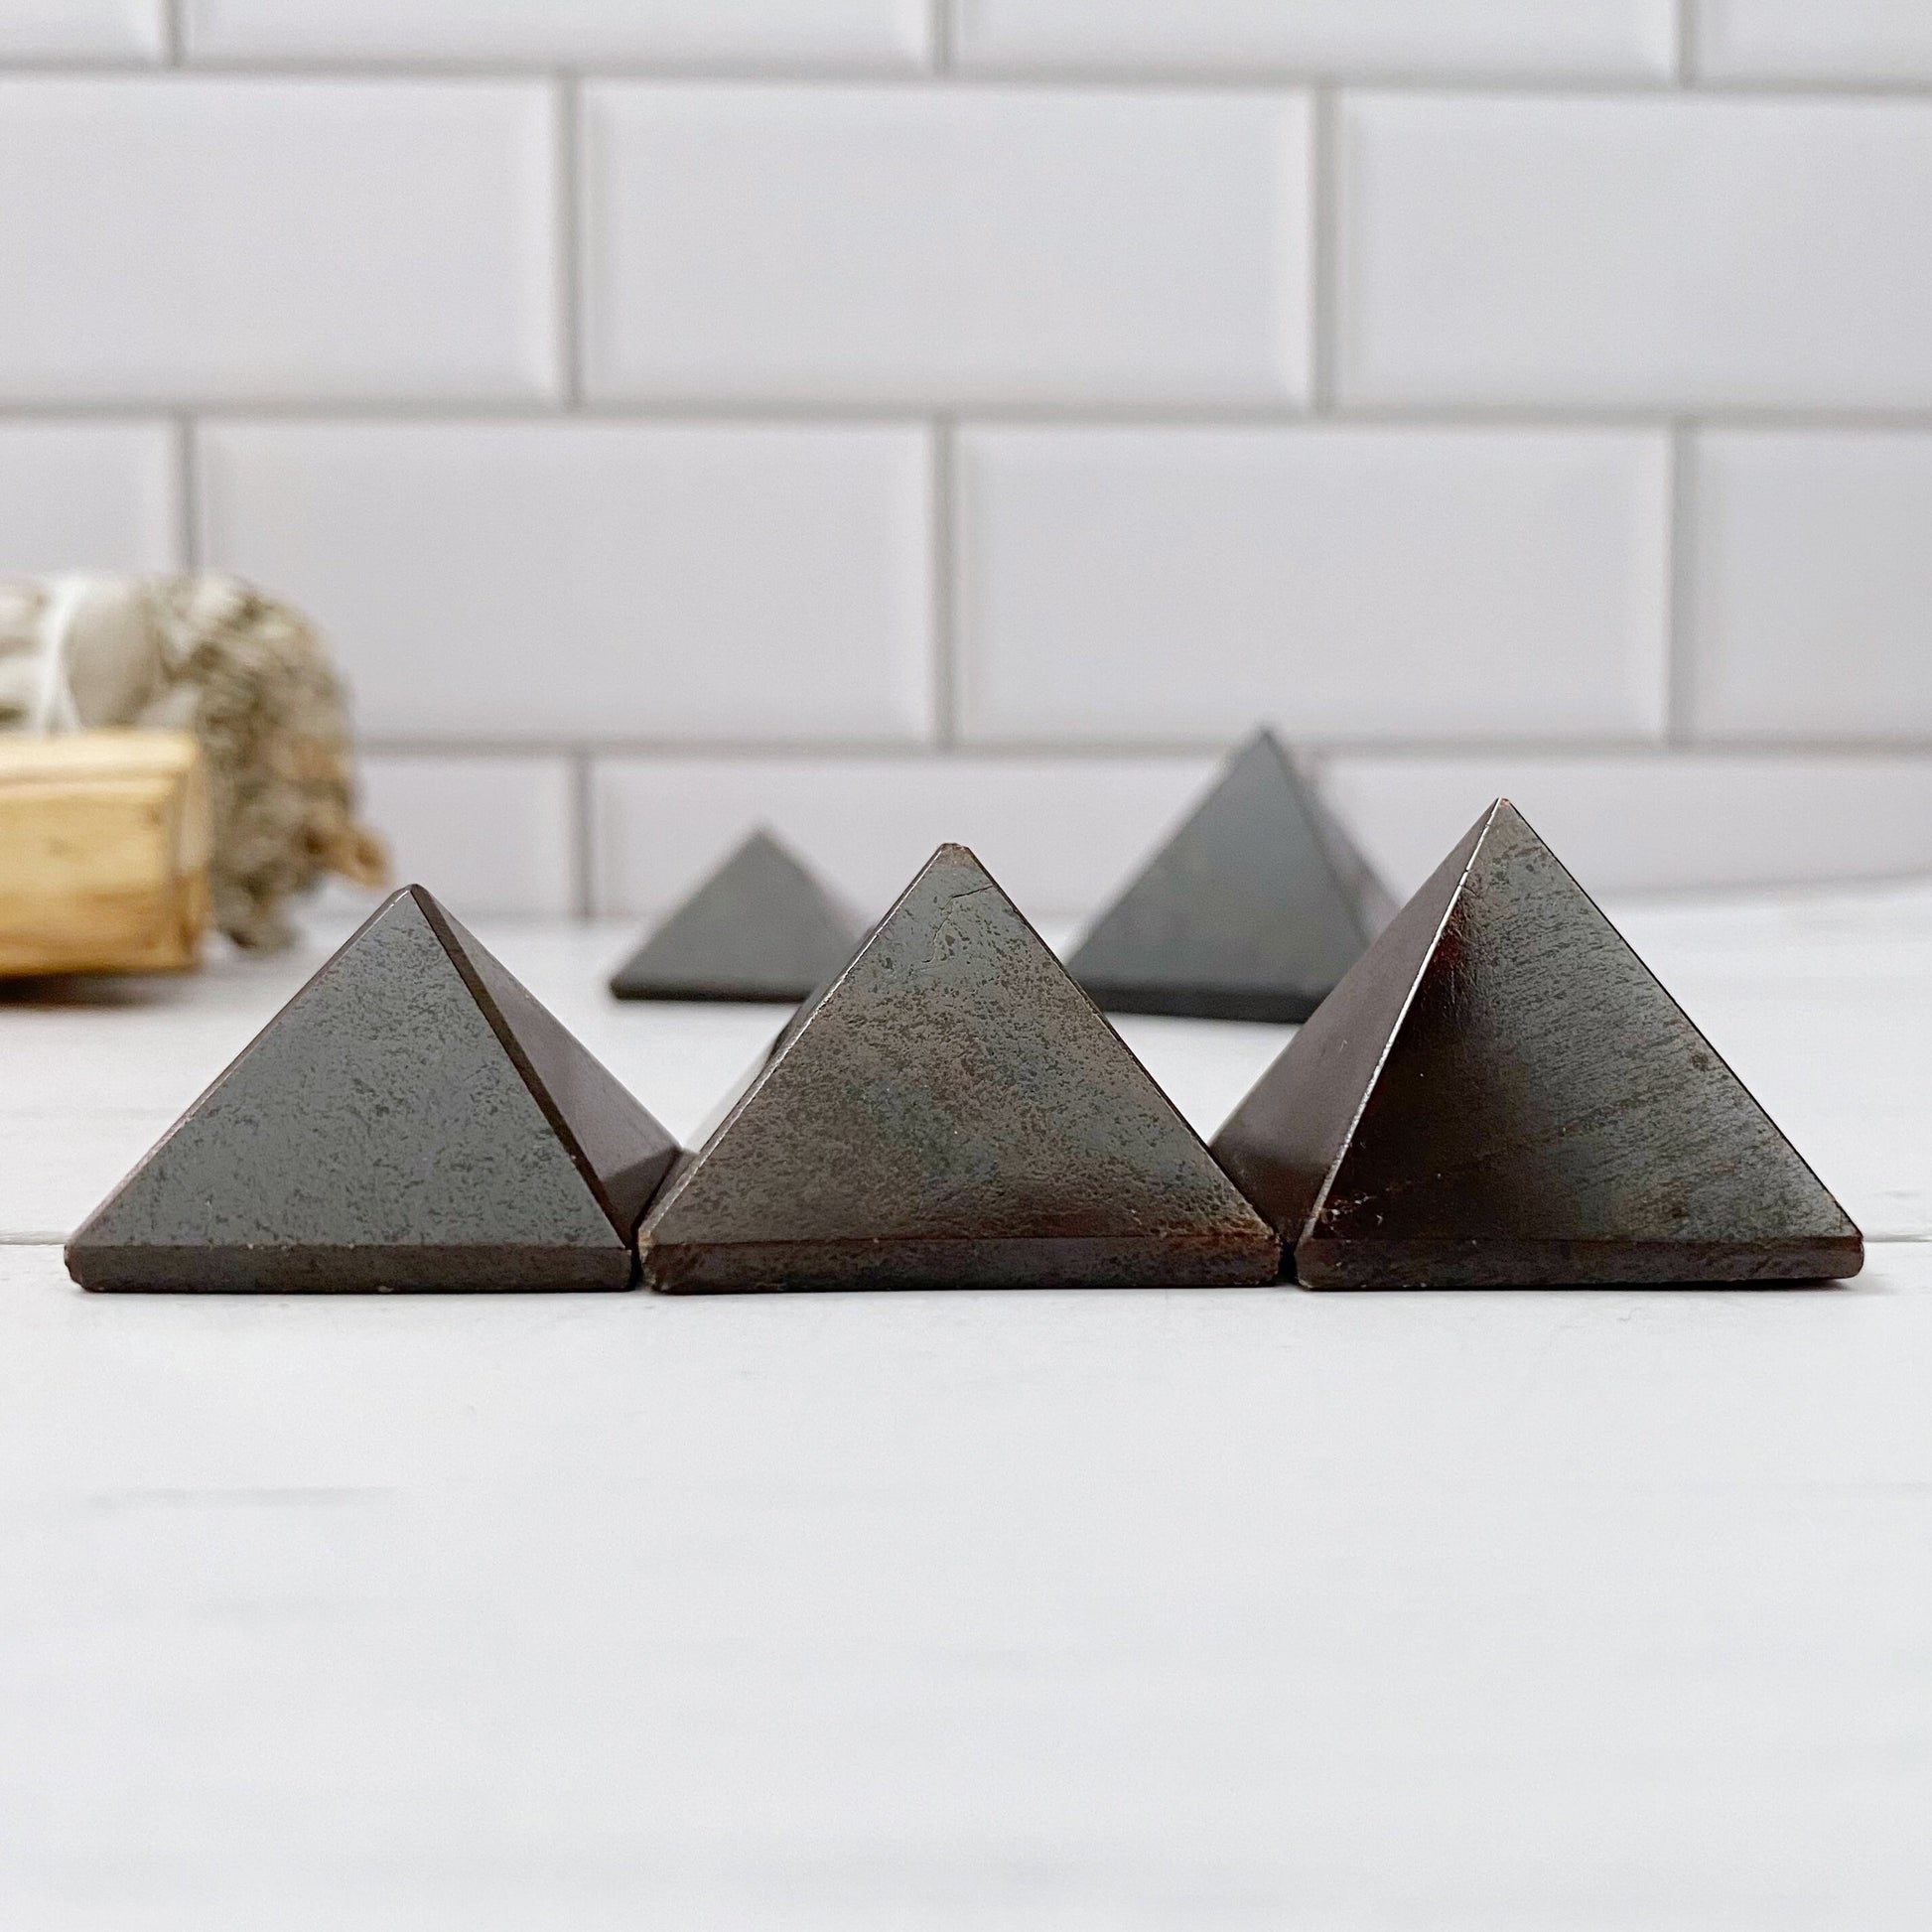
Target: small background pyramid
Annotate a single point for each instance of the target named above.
(412, 1118)
(1500, 1092)
(952, 1110)
(760, 927)
(1251, 911)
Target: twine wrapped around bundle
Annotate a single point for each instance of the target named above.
(247, 675)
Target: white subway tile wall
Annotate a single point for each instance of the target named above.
(193, 239)
(584, 579)
(899, 421)
(1670, 251)
(887, 34)
(1836, 40)
(88, 496)
(1058, 833)
(495, 834)
(1641, 823)
(55, 30)
(1358, 581)
(1813, 560)
(1438, 38)
(762, 243)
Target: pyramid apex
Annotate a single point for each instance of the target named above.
(949, 859)
(1499, 815)
(951, 852)
(1506, 812)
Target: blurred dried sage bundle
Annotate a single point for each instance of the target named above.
(247, 675)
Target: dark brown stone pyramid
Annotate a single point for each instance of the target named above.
(1499, 1093)
(1251, 911)
(760, 927)
(951, 1110)
(412, 1119)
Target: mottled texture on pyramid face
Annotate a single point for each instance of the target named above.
(953, 1111)
(1500, 1092)
(386, 1131)
(760, 927)
(1252, 910)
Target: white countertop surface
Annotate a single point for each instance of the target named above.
(1205, 1609)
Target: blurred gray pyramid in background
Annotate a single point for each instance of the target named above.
(950, 1111)
(760, 927)
(1500, 1094)
(1251, 911)
(411, 1119)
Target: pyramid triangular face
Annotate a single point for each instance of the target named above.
(1500, 1093)
(953, 1111)
(760, 927)
(619, 1145)
(1251, 911)
(411, 1119)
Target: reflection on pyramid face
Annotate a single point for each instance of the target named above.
(413, 1118)
(952, 1110)
(1500, 1093)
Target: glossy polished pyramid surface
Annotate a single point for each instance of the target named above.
(1500, 1093)
(760, 927)
(1251, 911)
(951, 1110)
(411, 1119)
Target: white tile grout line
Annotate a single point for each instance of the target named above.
(940, 35)
(1176, 78)
(969, 751)
(188, 494)
(1680, 615)
(583, 879)
(1686, 51)
(174, 32)
(1100, 414)
(567, 212)
(943, 564)
(1325, 232)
